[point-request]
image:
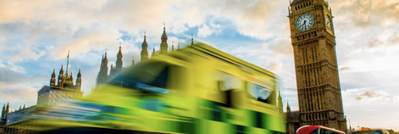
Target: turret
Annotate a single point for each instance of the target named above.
(61, 77)
(79, 81)
(103, 73)
(53, 78)
(164, 43)
(8, 108)
(144, 47)
(3, 112)
(280, 102)
(71, 79)
(119, 62)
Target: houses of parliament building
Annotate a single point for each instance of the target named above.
(103, 75)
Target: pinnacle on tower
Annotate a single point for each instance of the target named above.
(119, 62)
(164, 43)
(8, 108)
(144, 47)
(62, 69)
(71, 78)
(79, 74)
(3, 111)
(53, 75)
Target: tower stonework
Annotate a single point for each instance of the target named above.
(318, 86)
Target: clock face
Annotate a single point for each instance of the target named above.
(304, 22)
(328, 22)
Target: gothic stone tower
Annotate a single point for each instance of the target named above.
(313, 40)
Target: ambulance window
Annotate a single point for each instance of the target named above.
(258, 92)
(148, 76)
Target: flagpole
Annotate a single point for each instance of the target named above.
(67, 63)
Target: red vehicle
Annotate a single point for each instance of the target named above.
(316, 129)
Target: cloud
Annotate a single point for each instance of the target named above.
(366, 13)
(381, 41)
(205, 30)
(346, 68)
(369, 95)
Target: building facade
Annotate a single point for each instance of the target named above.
(103, 75)
(59, 89)
(62, 90)
(318, 86)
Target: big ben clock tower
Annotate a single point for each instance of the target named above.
(313, 40)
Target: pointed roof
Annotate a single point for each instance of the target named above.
(120, 51)
(164, 36)
(8, 107)
(105, 57)
(62, 69)
(145, 41)
(53, 75)
(79, 74)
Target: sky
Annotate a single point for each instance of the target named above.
(35, 37)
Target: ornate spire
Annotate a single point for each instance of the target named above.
(24, 106)
(52, 79)
(79, 74)
(61, 77)
(144, 47)
(164, 43)
(280, 102)
(8, 108)
(288, 107)
(105, 58)
(3, 111)
(62, 69)
(79, 81)
(164, 36)
(53, 75)
(71, 78)
(103, 73)
(119, 62)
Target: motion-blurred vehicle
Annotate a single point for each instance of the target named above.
(365, 130)
(198, 89)
(317, 129)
